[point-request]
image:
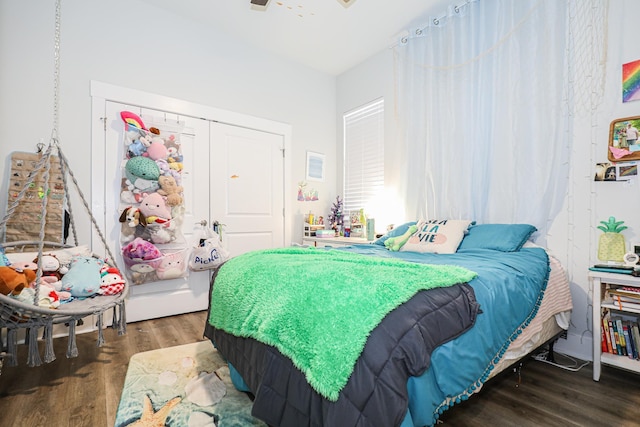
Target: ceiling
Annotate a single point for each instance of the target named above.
(321, 34)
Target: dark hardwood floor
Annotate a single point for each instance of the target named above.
(85, 391)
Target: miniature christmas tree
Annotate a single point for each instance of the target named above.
(335, 217)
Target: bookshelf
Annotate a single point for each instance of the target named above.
(600, 283)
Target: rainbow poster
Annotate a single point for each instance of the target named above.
(631, 81)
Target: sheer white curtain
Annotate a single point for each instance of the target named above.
(482, 108)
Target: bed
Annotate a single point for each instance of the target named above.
(491, 304)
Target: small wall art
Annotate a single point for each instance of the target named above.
(631, 81)
(306, 194)
(616, 171)
(315, 166)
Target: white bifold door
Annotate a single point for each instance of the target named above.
(232, 174)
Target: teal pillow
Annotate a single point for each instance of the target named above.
(397, 231)
(499, 237)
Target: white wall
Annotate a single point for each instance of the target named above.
(134, 45)
(573, 237)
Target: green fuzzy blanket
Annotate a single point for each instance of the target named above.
(318, 306)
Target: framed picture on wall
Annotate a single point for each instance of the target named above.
(315, 166)
(624, 139)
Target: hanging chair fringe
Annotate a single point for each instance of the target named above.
(33, 355)
(122, 325)
(12, 348)
(72, 349)
(100, 342)
(49, 354)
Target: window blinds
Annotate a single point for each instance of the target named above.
(363, 155)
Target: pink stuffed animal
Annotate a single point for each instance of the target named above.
(171, 266)
(156, 150)
(154, 207)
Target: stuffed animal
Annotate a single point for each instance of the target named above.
(161, 233)
(157, 150)
(132, 120)
(112, 281)
(167, 171)
(174, 164)
(170, 189)
(173, 150)
(52, 269)
(171, 266)
(13, 281)
(142, 174)
(48, 297)
(83, 278)
(138, 146)
(395, 243)
(142, 273)
(140, 250)
(132, 221)
(154, 207)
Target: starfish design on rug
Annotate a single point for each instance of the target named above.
(150, 418)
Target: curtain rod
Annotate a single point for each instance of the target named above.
(435, 21)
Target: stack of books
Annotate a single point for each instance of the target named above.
(613, 268)
(620, 336)
(625, 297)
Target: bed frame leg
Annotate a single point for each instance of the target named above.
(550, 356)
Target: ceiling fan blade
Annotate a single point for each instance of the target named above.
(260, 2)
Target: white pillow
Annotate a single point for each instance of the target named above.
(63, 255)
(437, 236)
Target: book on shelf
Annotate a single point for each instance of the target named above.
(627, 339)
(607, 335)
(633, 344)
(635, 333)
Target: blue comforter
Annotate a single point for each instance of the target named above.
(509, 288)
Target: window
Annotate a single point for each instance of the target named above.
(363, 156)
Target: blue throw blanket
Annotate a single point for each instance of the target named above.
(509, 288)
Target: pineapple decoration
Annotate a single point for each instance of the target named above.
(611, 246)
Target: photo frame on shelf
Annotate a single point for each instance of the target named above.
(315, 166)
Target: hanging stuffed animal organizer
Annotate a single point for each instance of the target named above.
(152, 201)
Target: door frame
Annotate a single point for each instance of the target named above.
(103, 92)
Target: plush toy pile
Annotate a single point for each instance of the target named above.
(151, 203)
(84, 277)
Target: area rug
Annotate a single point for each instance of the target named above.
(187, 386)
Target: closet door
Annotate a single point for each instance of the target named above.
(173, 296)
(247, 187)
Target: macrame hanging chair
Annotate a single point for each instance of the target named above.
(18, 315)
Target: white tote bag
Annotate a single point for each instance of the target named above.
(208, 252)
